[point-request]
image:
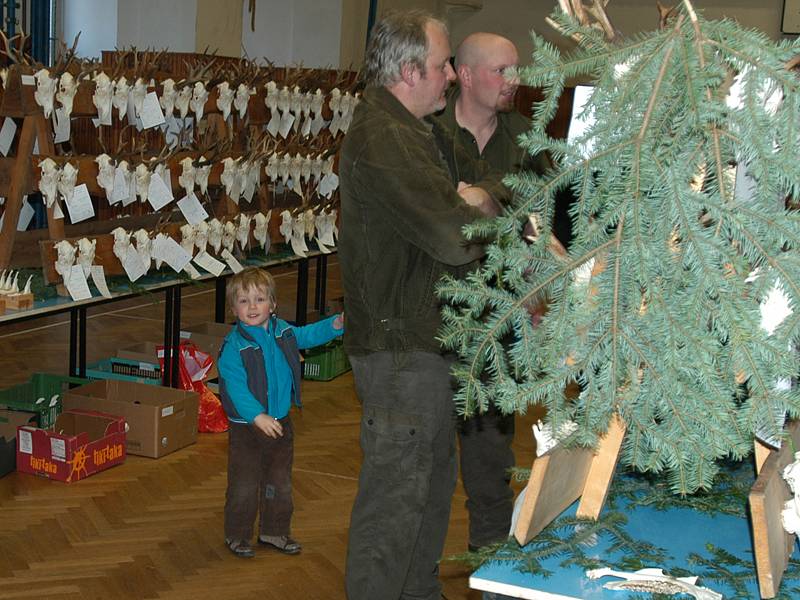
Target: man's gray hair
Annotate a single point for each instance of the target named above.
(396, 40)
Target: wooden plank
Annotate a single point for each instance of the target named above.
(558, 477)
(772, 545)
(601, 471)
(760, 453)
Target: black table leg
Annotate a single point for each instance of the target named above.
(73, 342)
(82, 341)
(166, 371)
(176, 336)
(322, 282)
(302, 292)
(219, 300)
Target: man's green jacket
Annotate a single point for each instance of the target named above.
(401, 225)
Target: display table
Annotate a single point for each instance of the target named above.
(170, 283)
(716, 547)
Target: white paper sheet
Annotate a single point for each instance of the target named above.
(25, 215)
(80, 206)
(192, 210)
(99, 278)
(76, 285)
(133, 264)
(171, 253)
(61, 126)
(7, 135)
(151, 114)
(158, 195)
(234, 264)
(209, 263)
(121, 189)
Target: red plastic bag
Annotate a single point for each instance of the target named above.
(193, 368)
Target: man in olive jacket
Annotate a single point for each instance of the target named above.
(480, 116)
(401, 231)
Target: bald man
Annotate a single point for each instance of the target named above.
(481, 118)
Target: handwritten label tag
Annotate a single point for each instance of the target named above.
(209, 263)
(99, 279)
(80, 205)
(158, 195)
(7, 135)
(121, 189)
(234, 264)
(25, 215)
(61, 126)
(133, 264)
(192, 210)
(76, 284)
(28, 80)
(151, 114)
(173, 254)
(286, 124)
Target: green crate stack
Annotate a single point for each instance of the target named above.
(40, 395)
(323, 363)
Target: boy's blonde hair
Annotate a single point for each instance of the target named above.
(251, 277)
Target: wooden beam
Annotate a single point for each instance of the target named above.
(601, 471)
(772, 545)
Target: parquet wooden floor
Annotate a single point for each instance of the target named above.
(152, 529)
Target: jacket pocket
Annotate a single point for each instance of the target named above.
(390, 441)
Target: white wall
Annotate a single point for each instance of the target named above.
(96, 20)
(291, 32)
(157, 24)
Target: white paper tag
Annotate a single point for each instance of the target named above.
(57, 212)
(151, 114)
(61, 123)
(58, 449)
(173, 254)
(121, 189)
(158, 195)
(28, 80)
(99, 279)
(104, 118)
(25, 215)
(274, 123)
(167, 410)
(192, 210)
(286, 124)
(7, 135)
(133, 264)
(234, 264)
(166, 176)
(36, 146)
(77, 285)
(80, 206)
(131, 193)
(25, 441)
(209, 263)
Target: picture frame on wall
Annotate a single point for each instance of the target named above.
(790, 21)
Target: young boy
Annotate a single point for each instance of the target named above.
(259, 378)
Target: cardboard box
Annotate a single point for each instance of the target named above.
(160, 419)
(208, 337)
(80, 444)
(9, 421)
(146, 354)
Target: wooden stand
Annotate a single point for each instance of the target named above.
(561, 476)
(19, 301)
(772, 545)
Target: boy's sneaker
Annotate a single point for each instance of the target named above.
(240, 548)
(281, 543)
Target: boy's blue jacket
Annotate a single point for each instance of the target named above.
(259, 366)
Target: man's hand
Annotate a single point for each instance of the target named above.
(269, 425)
(479, 198)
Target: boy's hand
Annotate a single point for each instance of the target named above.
(269, 425)
(338, 322)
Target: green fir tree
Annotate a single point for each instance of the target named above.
(655, 312)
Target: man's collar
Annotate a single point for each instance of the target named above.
(380, 97)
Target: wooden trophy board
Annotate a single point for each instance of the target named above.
(562, 475)
(772, 545)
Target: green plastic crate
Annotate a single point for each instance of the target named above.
(126, 370)
(40, 395)
(323, 363)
